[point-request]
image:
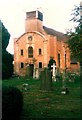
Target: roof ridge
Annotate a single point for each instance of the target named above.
(60, 35)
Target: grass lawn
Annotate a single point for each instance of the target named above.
(38, 104)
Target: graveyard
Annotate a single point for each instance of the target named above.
(42, 103)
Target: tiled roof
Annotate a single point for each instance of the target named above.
(60, 35)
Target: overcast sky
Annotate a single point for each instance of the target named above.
(56, 15)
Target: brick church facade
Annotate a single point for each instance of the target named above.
(34, 48)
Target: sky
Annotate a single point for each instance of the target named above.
(56, 15)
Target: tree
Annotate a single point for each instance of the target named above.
(0, 50)
(7, 58)
(51, 61)
(5, 37)
(75, 37)
(7, 65)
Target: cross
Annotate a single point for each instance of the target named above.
(54, 71)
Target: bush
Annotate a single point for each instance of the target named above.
(7, 65)
(12, 103)
(5, 72)
(51, 61)
(73, 77)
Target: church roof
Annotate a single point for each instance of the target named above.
(60, 35)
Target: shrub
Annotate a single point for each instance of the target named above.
(51, 61)
(73, 77)
(12, 103)
(7, 65)
(5, 72)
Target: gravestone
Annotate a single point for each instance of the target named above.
(53, 72)
(52, 67)
(64, 79)
(28, 71)
(64, 90)
(36, 73)
(46, 80)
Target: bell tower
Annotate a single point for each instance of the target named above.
(34, 21)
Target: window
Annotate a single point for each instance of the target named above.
(31, 14)
(21, 51)
(30, 38)
(40, 16)
(22, 65)
(65, 60)
(30, 52)
(59, 59)
(40, 52)
(40, 64)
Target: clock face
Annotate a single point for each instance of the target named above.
(30, 38)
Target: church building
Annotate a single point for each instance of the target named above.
(34, 48)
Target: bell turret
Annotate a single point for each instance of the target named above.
(34, 21)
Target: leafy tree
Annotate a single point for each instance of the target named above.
(5, 37)
(7, 58)
(7, 66)
(75, 37)
(0, 50)
(51, 61)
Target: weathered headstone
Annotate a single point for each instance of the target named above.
(28, 71)
(36, 73)
(46, 80)
(64, 88)
(63, 79)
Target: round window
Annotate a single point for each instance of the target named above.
(30, 38)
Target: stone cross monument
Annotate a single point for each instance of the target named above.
(54, 72)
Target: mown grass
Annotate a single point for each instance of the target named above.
(38, 104)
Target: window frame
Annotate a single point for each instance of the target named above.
(40, 64)
(39, 51)
(30, 52)
(30, 38)
(22, 53)
(21, 65)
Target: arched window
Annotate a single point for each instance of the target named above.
(30, 52)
